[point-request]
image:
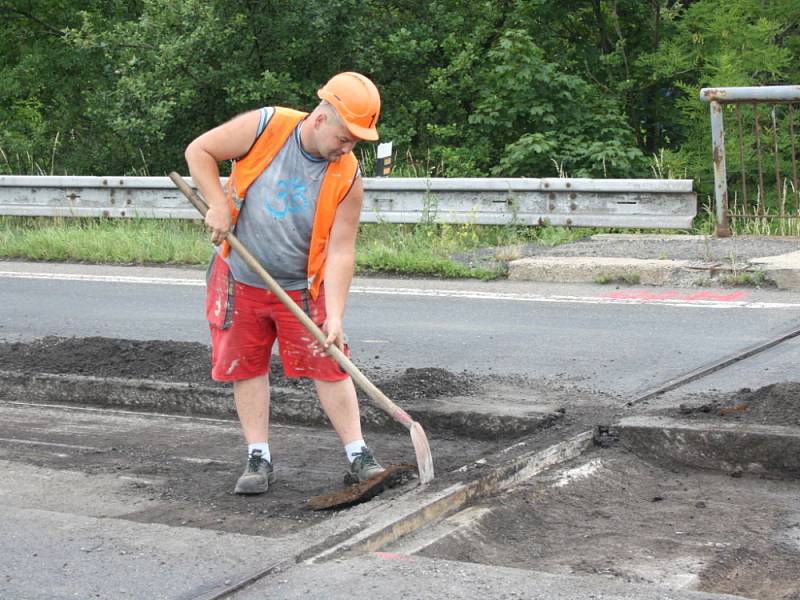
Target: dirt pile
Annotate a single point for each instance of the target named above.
(421, 384)
(775, 404)
(109, 357)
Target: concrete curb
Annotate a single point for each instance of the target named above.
(729, 447)
(588, 269)
(420, 508)
(289, 406)
(783, 271)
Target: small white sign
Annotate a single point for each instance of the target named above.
(384, 150)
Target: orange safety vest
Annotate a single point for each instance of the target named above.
(338, 180)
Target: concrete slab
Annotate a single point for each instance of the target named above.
(656, 259)
(49, 555)
(588, 269)
(382, 575)
(783, 269)
(790, 260)
(729, 447)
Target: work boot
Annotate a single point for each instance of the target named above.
(257, 475)
(363, 467)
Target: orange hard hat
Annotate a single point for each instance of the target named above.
(356, 100)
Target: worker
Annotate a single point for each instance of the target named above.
(294, 200)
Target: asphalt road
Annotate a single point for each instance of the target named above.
(619, 341)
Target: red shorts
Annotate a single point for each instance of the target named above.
(245, 321)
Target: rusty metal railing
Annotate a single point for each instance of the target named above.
(774, 135)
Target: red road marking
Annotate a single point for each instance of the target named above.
(646, 296)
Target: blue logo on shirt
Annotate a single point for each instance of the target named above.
(290, 198)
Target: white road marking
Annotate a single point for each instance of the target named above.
(675, 300)
(103, 278)
(668, 298)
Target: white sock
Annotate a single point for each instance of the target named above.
(263, 446)
(354, 448)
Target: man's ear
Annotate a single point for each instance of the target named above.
(320, 119)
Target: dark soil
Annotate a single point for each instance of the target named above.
(185, 469)
(110, 357)
(190, 362)
(180, 471)
(775, 404)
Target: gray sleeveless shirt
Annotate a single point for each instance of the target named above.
(277, 216)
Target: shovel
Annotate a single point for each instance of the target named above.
(418, 438)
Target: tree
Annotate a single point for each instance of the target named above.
(735, 43)
(474, 88)
(44, 87)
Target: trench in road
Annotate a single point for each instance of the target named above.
(610, 512)
(615, 514)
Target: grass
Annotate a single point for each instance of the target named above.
(111, 241)
(423, 249)
(429, 248)
(768, 224)
(745, 279)
(625, 278)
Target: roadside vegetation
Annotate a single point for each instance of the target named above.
(113, 241)
(627, 279)
(423, 249)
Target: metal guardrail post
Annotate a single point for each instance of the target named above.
(723, 228)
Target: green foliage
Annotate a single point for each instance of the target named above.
(530, 113)
(716, 44)
(554, 236)
(511, 88)
(45, 86)
(745, 279)
(623, 278)
(422, 249)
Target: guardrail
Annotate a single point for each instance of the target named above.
(754, 147)
(639, 203)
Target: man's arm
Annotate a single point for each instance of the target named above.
(225, 142)
(340, 262)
